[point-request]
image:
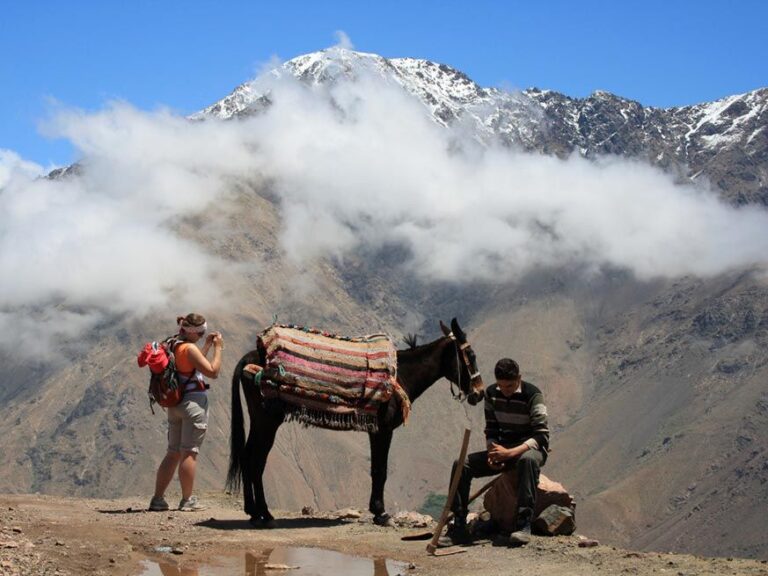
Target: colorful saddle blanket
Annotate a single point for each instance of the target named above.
(327, 380)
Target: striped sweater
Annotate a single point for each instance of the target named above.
(517, 419)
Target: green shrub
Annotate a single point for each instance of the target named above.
(433, 505)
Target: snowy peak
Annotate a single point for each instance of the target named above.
(725, 141)
(442, 89)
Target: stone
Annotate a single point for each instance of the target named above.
(348, 513)
(588, 543)
(413, 519)
(555, 521)
(307, 511)
(501, 500)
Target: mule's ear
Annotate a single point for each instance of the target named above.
(445, 329)
(457, 329)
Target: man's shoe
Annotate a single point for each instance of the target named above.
(521, 536)
(191, 504)
(158, 504)
(455, 535)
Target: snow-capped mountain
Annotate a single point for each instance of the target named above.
(725, 141)
(657, 384)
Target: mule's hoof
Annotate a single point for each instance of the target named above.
(384, 520)
(262, 521)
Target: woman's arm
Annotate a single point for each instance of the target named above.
(200, 362)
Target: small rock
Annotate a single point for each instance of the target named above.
(588, 543)
(163, 549)
(279, 567)
(413, 519)
(60, 543)
(9, 544)
(112, 560)
(177, 551)
(348, 513)
(307, 511)
(16, 529)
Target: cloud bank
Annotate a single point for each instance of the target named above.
(353, 164)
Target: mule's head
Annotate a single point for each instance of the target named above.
(464, 371)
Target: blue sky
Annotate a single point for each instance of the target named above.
(186, 55)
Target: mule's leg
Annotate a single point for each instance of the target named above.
(263, 441)
(249, 457)
(380, 442)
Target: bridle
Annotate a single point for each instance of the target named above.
(475, 379)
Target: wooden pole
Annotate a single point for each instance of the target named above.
(432, 546)
(472, 498)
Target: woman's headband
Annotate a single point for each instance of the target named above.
(189, 329)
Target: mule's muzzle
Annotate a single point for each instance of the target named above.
(475, 397)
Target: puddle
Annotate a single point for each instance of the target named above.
(279, 561)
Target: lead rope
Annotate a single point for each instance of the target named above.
(456, 396)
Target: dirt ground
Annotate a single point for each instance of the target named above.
(47, 535)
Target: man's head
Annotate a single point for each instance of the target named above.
(507, 373)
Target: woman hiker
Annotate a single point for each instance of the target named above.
(188, 420)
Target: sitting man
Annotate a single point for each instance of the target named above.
(517, 438)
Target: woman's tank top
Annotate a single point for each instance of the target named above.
(191, 378)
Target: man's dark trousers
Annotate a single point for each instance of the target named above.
(476, 465)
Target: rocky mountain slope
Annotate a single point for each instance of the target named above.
(656, 390)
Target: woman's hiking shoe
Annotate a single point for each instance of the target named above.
(191, 505)
(158, 504)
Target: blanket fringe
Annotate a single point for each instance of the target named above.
(330, 420)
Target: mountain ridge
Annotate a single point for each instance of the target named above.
(725, 140)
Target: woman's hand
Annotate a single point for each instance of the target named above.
(217, 339)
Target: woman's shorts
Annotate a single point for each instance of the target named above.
(187, 423)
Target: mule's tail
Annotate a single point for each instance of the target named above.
(237, 432)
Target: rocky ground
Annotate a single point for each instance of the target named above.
(48, 535)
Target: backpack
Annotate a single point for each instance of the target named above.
(164, 386)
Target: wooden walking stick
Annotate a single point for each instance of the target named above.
(432, 546)
(472, 498)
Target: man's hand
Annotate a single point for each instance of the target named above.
(497, 454)
(252, 368)
(493, 465)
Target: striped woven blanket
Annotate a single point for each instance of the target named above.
(327, 380)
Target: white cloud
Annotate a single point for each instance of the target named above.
(343, 40)
(354, 164)
(13, 166)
